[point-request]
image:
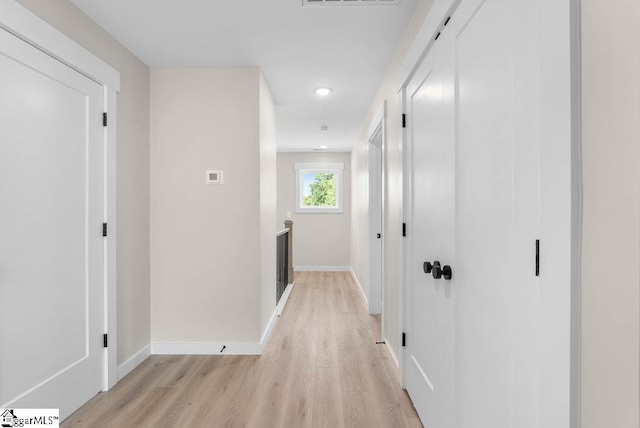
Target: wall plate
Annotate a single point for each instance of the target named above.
(214, 177)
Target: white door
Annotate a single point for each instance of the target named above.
(375, 225)
(497, 213)
(473, 356)
(431, 304)
(51, 245)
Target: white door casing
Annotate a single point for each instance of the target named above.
(514, 163)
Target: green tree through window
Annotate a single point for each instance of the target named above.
(323, 191)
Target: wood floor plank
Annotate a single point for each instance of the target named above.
(322, 368)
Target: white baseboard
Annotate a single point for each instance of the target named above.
(267, 331)
(393, 355)
(284, 298)
(355, 278)
(322, 268)
(206, 348)
(133, 362)
(215, 348)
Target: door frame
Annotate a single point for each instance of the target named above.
(376, 170)
(561, 209)
(24, 24)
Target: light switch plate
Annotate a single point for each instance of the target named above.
(214, 177)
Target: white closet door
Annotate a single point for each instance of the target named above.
(51, 244)
(497, 213)
(431, 302)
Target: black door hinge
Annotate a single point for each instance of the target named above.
(104, 229)
(104, 119)
(105, 340)
(404, 229)
(404, 120)
(537, 257)
(404, 339)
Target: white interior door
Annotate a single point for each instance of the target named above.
(375, 225)
(431, 304)
(497, 213)
(51, 245)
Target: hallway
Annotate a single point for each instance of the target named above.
(321, 368)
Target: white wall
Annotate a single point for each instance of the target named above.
(611, 213)
(319, 240)
(393, 189)
(207, 260)
(268, 200)
(132, 167)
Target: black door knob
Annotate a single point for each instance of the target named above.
(437, 270)
(447, 273)
(426, 267)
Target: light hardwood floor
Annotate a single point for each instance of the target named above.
(322, 368)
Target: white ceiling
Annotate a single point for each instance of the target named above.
(347, 48)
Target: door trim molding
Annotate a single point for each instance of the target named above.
(24, 24)
(405, 256)
(440, 10)
(29, 27)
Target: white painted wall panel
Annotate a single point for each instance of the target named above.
(611, 213)
(205, 239)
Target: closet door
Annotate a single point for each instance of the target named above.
(497, 213)
(51, 244)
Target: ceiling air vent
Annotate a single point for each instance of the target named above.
(348, 2)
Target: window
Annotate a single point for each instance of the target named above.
(319, 187)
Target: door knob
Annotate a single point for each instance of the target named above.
(436, 270)
(427, 267)
(447, 273)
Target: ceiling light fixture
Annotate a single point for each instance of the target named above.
(323, 147)
(323, 92)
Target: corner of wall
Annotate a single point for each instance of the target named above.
(268, 200)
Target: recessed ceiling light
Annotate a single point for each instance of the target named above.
(323, 147)
(323, 91)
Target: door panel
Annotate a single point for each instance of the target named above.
(484, 218)
(51, 250)
(376, 299)
(430, 348)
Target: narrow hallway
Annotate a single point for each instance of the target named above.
(322, 368)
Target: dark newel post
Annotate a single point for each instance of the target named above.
(289, 225)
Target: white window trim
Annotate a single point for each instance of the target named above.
(336, 168)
